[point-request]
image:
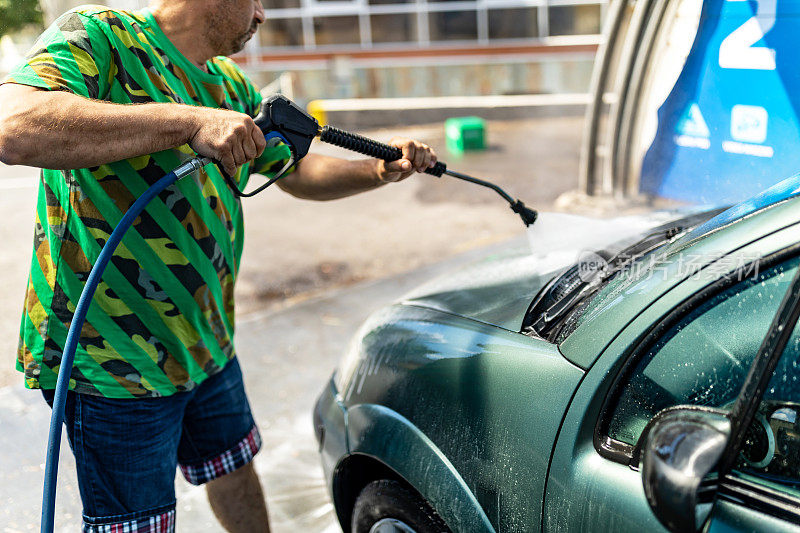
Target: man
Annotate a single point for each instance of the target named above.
(156, 383)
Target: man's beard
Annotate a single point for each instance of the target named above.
(221, 46)
(238, 44)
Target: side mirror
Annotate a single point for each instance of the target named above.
(682, 446)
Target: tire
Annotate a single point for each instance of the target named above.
(385, 506)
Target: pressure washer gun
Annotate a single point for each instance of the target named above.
(282, 119)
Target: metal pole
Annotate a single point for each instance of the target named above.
(622, 86)
(613, 22)
(622, 179)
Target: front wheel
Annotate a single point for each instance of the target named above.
(385, 506)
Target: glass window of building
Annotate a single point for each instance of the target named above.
(336, 30)
(453, 25)
(394, 28)
(280, 4)
(513, 23)
(574, 20)
(377, 2)
(281, 32)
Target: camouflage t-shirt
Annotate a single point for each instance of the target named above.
(162, 319)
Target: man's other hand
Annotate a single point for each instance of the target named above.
(417, 157)
(228, 137)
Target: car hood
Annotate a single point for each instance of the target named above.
(499, 288)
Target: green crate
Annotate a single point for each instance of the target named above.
(465, 133)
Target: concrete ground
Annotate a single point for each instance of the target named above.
(310, 274)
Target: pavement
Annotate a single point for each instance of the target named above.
(311, 273)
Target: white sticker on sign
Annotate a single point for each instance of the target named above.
(749, 123)
(693, 124)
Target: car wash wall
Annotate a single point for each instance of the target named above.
(729, 128)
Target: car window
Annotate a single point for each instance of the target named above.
(771, 451)
(704, 358)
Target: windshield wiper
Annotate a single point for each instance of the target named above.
(578, 282)
(553, 306)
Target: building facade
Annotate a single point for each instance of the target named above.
(417, 48)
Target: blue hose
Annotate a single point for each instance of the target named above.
(74, 334)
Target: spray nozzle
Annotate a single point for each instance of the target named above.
(527, 214)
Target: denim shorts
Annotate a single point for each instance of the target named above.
(126, 450)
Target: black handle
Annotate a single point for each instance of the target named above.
(363, 145)
(294, 126)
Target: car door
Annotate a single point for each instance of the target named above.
(694, 346)
(759, 472)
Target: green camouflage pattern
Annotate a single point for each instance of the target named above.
(162, 319)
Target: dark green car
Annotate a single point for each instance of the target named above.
(652, 385)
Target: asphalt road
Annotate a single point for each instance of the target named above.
(310, 275)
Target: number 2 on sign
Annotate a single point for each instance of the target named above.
(737, 50)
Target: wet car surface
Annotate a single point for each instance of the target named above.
(513, 396)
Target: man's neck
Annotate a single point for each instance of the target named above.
(184, 28)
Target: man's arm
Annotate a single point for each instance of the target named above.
(61, 130)
(319, 177)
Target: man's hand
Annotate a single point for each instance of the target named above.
(228, 137)
(320, 177)
(417, 157)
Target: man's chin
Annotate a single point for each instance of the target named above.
(240, 43)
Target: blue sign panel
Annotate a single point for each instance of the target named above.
(730, 127)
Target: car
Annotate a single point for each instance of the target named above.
(651, 385)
